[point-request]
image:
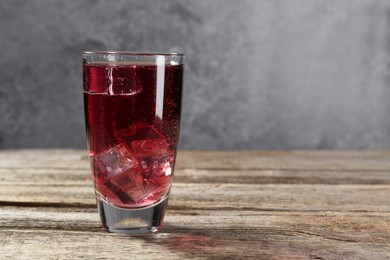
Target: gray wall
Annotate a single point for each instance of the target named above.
(260, 74)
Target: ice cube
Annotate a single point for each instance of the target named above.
(138, 131)
(156, 166)
(116, 160)
(156, 162)
(150, 147)
(122, 82)
(154, 156)
(128, 187)
(121, 174)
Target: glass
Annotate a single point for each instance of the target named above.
(132, 105)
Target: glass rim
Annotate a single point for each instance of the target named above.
(134, 53)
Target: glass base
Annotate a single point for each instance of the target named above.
(132, 221)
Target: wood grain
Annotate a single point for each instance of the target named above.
(249, 204)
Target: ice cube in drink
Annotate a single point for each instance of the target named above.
(121, 175)
(155, 158)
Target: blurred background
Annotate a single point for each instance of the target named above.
(260, 74)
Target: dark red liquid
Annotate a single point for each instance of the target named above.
(132, 119)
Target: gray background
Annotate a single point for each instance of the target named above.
(260, 74)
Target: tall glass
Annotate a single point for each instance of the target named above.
(132, 107)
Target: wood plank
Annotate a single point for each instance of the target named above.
(200, 233)
(65, 166)
(283, 197)
(39, 244)
(367, 227)
(290, 160)
(44, 176)
(52, 244)
(44, 158)
(283, 176)
(208, 166)
(234, 196)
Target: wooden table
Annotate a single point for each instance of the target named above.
(260, 205)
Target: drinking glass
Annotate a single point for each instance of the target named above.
(132, 103)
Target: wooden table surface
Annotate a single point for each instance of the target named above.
(237, 205)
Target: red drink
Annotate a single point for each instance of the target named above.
(132, 116)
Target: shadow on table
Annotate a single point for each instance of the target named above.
(234, 242)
